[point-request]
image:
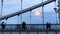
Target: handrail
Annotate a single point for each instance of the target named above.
(31, 27)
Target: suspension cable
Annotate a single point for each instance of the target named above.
(6, 20)
(1, 9)
(30, 17)
(21, 10)
(1, 6)
(18, 20)
(56, 12)
(43, 14)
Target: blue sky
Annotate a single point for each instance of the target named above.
(11, 6)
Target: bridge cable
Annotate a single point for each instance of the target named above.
(56, 12)
(43, 14)
(18, 26)
(30, 17)
(18, 20)
(6, 20)
(1, 9)
(1, 6)
(21, 10)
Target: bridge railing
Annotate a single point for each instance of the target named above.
(30, 27)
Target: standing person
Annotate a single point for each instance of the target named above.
(23, 25)
(47, 26)
(3, 25)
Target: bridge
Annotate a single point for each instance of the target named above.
(29, 27)
(26, 10)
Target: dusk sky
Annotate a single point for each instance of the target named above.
(11, 6)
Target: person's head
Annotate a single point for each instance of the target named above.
(2, 21)
(47, 22)
(23, 22)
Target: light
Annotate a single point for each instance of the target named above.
(37, 13)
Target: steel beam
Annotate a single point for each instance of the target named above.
(26, 10)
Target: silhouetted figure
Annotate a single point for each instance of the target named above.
(48, 26)
(23, 25)
(3, 25)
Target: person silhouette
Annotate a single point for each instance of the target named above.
(48, 26)
(3, 25)
(23, 25)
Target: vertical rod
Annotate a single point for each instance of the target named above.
(1, 9)
(56, 12)
(37, 29)
(28, 28)
(21, 10)
(18, 20)
(59, 10)
(30, 17)
(1, 6)
(6, 21)
(46, 32)
(18, 24)
(11, 28)
(1, 12)
(56, 32)
(42, 15)
(28, 32)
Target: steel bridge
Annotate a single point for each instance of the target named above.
(26, 10)
(29, 27)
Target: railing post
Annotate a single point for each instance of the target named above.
(37, 28)
(56, 32)
(11, 28)
(2, 31)
(47, 31)
(28, 28)
(19, 29)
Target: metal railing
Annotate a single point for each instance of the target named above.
(30, 27)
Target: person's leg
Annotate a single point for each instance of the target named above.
(50, 27)
(25, 27)
(2, 27)
(46, 26)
